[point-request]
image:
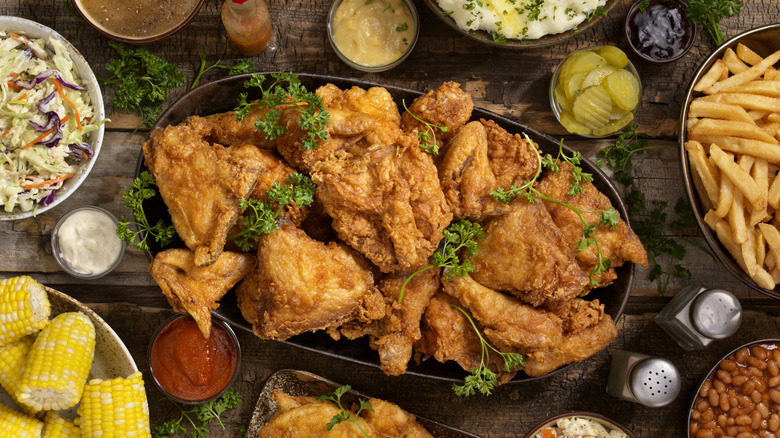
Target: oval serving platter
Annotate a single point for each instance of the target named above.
(221, 95)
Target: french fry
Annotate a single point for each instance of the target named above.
(711, 219)
(765, 88)
(704, 169)
(725, 197)
(772, 238)
(723, 231)
(773, 117)
(713, 75)
(745, 76)
(773, 194)
(760, 248)
(741, 179)
(708, 126)
(748, 248)
(747, 101)
(758, 114)
(759, 149)
(718, 110)
(733, 62)
(747, 55)
(736, 219)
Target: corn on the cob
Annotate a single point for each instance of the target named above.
(24, 308)
(54, 426)
(18, 425)
(12, 357)
(115, 408)
(58, 364)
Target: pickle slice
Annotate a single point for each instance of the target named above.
(573, 84)
(573, 126)
(623, 86)
(560, 97)
(615, 125)
(597, 75)
(593, 107)
(614, 56)
(586, 62)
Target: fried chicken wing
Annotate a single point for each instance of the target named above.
(202, 184)
(447, 106)
(513, 326)
(306, 417)
(525, 254)
(303, 285)
(227, 130)
(512, 157)
(618, 245)
(386, 203)
(390, 421)
(194, 289)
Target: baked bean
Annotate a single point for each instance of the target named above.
(724, 376)
(720, 386)
(755, 416)
(773, 381)
(723, 403)
(755, 396)
(772, 368)
(702, 405)
(722, 420)
(745, 435)
(739, 380)
(731, 431)
(759, 352)
(708, 415)
(776, 354)
(774, 395)
(741, 355)
(728, 365)
(742, 420)
(693, 428)
(713, 397)
(755, 371)
(756, 362)
(705, 433)
(760, 384)
(705, 388)
(748, 387)
(774, 422)
(763, 409)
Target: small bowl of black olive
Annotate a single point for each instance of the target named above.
(658, 31)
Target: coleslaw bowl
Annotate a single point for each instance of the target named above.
(94, 139)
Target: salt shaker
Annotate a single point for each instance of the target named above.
(639, 378)
(696, 316)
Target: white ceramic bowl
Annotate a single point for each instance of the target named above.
(95, 139)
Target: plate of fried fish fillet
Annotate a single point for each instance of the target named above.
(547, 279)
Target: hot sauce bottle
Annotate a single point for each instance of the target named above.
(248, 25)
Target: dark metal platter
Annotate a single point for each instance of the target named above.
(221, 95)
(302, 383)
(547, 40)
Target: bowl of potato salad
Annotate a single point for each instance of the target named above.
(51, 118)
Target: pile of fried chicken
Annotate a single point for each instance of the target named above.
(381, 206)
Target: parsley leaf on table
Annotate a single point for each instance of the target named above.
(709, 13)
(242, 66)
(314, 117)
(458, 236)
(482, 378)
(139, 191)
(205, 413)
(618, 156)
(345, 415)
(142, 80)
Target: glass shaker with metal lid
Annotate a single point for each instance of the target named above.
(697, 316)
(643, 379)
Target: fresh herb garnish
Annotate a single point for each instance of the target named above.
(203, 413)
(618, 155)
(709, 13)
(482, 379)
(139, 191)
(461, 235)
(598, 11)
(608, 217)
(261, 216)
(499, 38)
(428, 137)
(402, 27)
(313, 119)
(242, 66)
(644, 5)
(345, 415)
(142, 81)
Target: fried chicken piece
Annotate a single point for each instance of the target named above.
(227, 130)
(525, 254)
(194, 289)
(513, 326)
(576, 314)
(387, 203)
(390, 421)
(448, 335)
(447, 106)
(394, 335)
(303, 285)
(466, 176)
(512, 157)
(306, 417)
(202, 184)
(358, 118)
(618, 245)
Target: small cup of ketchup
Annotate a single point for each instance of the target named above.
(187, 367)
(658, 31)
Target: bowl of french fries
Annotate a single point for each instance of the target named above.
(730, 155)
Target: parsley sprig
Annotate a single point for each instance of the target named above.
(709, 13)
(428, 137)
(142, 80)
(242, 66)
(608, 217)
(261, 215)
(314, 117)
(618, 156)
(345, 415)
(459, 237)
(203, 413)
(482, 378)
(139, 191)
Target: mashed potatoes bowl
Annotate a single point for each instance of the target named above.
(32, 29)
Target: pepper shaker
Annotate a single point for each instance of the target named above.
(639, 378)
(697, 316)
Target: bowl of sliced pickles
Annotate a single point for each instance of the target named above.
(595, 91)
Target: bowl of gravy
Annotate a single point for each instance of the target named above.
(138, 21)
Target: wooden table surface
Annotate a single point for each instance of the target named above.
(513, 83)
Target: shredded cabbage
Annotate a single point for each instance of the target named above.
(578, 427)
(33, 164)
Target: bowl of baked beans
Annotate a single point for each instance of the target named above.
(740, 397)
